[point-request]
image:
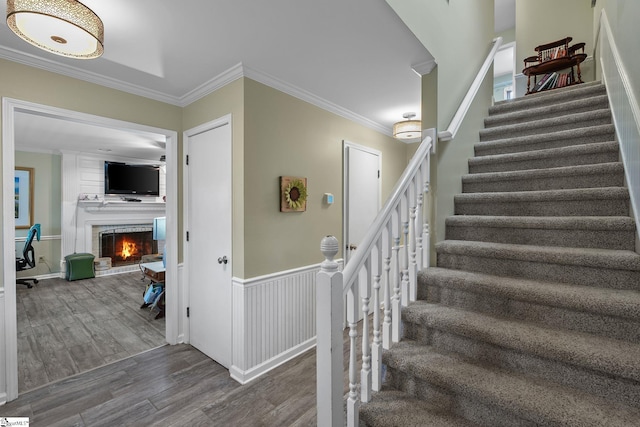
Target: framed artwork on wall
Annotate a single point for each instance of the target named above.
(23, 197)
(293, 194)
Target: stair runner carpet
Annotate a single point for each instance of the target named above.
(532, 315)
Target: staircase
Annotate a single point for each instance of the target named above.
(532, 315)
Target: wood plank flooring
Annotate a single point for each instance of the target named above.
(173, 386)
(65, 328)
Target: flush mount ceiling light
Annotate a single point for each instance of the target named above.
(64, 27)
(407, 129)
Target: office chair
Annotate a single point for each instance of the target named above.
(28, 259)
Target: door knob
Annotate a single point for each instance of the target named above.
(223, 260)
(353, 247)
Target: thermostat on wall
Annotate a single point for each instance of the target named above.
(328, 197)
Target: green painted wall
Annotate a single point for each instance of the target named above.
(46, 209)
(287, 136)
(226, 100)
(459, 35)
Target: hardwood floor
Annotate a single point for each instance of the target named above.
(168, 385)
(174, 386)
(65, 328)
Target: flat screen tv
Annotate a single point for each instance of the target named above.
(122, 178)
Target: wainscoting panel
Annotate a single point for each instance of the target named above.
(626, 111)
(274, 320)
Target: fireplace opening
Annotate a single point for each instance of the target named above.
(127, 247)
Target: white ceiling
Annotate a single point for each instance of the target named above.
(353, 57)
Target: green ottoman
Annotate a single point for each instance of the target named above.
(79, 266)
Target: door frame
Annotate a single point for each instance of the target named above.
(9, 370)
(346, 146)
(221, 121)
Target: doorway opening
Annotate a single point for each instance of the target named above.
(11, 109)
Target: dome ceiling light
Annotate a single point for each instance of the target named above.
(408, 129)
(64, 27)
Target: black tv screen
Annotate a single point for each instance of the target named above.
(122, 178)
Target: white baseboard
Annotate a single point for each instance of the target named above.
(243, 377)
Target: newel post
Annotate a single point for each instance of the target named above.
(329, 345)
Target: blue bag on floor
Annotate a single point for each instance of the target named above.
(152, 293)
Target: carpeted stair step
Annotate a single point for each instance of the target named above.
(611, 201)
(562, 109)
(518, 144)
(548, 98)
(610, 313)
(586, 154)
(575, 121)
(583, 176)
(586, 362)
(580, 266)
(395, 408)
(496, 397)
(605, 232)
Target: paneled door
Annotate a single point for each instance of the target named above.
(208, 249)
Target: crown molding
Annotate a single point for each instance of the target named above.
(222, 79)
(237, 71)
(423, 68)
(87, 76)
(309, 97)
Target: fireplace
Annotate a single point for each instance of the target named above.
(127, 246)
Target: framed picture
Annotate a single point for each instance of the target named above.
(24, 197)
(293, 194)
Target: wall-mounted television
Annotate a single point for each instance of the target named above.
(122, 178)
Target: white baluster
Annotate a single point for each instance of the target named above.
(365, 373)
(386, 322)
(413, 266)
(329, 346)
(395, 303)
(353, 402)
(376, 347)
(405, 257)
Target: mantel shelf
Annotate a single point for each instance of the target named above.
(102, 205)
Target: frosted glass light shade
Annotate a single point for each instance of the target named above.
(64, 27)
(407, 129)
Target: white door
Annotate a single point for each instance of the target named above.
(362, 193)
(209, 246)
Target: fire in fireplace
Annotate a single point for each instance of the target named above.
(127, 247)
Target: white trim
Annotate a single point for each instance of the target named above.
(424, 68)
(232, 74)
(42, 238)
(9, 369)
(224, 78)
(313, 99)
(243, 377)
(85, 75)
(456, 121)
(258, 280)
(625, 111)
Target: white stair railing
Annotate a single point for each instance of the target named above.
(394, 249)
(389, 257)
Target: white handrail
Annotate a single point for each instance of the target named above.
(375, 230)
(400, 224)
(456, 122)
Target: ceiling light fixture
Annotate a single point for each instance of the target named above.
(407, 129)
(64, 27)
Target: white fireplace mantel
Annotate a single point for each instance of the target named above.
(119, 206)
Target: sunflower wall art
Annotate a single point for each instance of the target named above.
(293, 194)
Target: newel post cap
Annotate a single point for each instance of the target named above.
(329, 248)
